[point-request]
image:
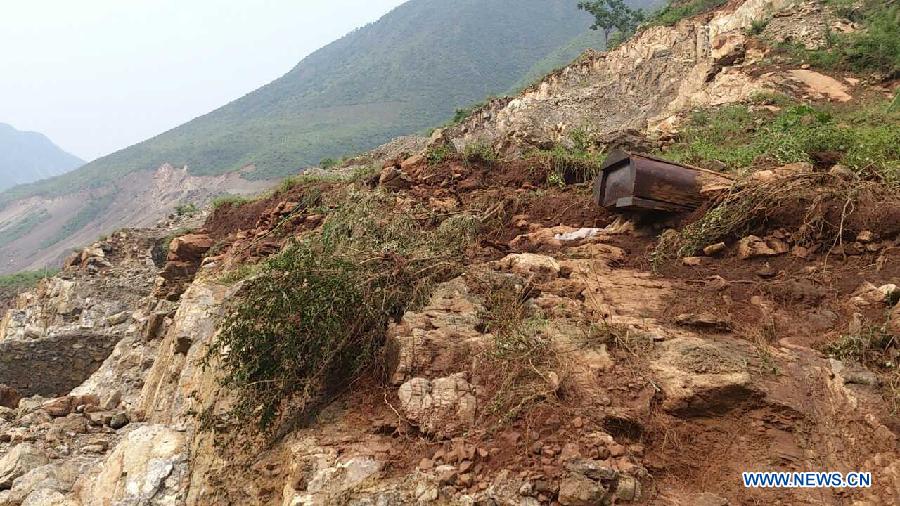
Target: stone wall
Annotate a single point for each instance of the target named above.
(53, 365)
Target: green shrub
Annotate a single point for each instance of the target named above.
(25, 279)
(328, 163)
(186, 209)
(519, 363)
(480, 152)
(576, 164)
(437, 154)
(461, 114)
(313, 317)
(868, 347)
(757, 26)
(229, 200)
(676, 10)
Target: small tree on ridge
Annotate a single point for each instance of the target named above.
(612, 15)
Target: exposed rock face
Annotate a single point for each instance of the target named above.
(430, 342)
(640, 361)
(17, 462)
(693, 64)
(443, 406)
(144, 469)
(182, 262)
(67, 359)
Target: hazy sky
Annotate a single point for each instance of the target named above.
(99, 75)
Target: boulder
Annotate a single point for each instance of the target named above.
(412, 162)
(48, 497)
(62, 406)
(590, 482)
(693, 261)
(189, 248)
(343, 476)
(752, 246)
(578, 490)
(20, 460)
(393, 178)
(146, 467)
(441, 407)
(702, 378)
(714, 249)
(867, 294)
(9, 397)
(51, 480)
(539, 268)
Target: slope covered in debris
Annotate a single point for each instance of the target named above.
(463, 325)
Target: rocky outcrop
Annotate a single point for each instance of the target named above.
(182, 262)
(442, 407)
(698, 378)
(431, 341)
(609, 372)
(145, 468)
(19, 461)
(693, 64)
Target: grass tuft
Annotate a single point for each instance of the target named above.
(738, 137)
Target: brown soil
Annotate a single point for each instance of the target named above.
(800, 305)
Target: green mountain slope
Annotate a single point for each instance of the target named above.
(402, 74)
(30, 156)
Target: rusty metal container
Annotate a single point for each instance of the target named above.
(640, 182)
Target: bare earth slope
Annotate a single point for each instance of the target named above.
(549, 362)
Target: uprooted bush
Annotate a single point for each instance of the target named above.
(814, 207)
(313, 317)
(520, 368)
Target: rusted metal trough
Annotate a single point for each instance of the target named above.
(640, 182)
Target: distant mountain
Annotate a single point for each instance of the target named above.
(30, 156)
(403, 74)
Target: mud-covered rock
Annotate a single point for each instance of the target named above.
(700, 377)
(752, 246)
